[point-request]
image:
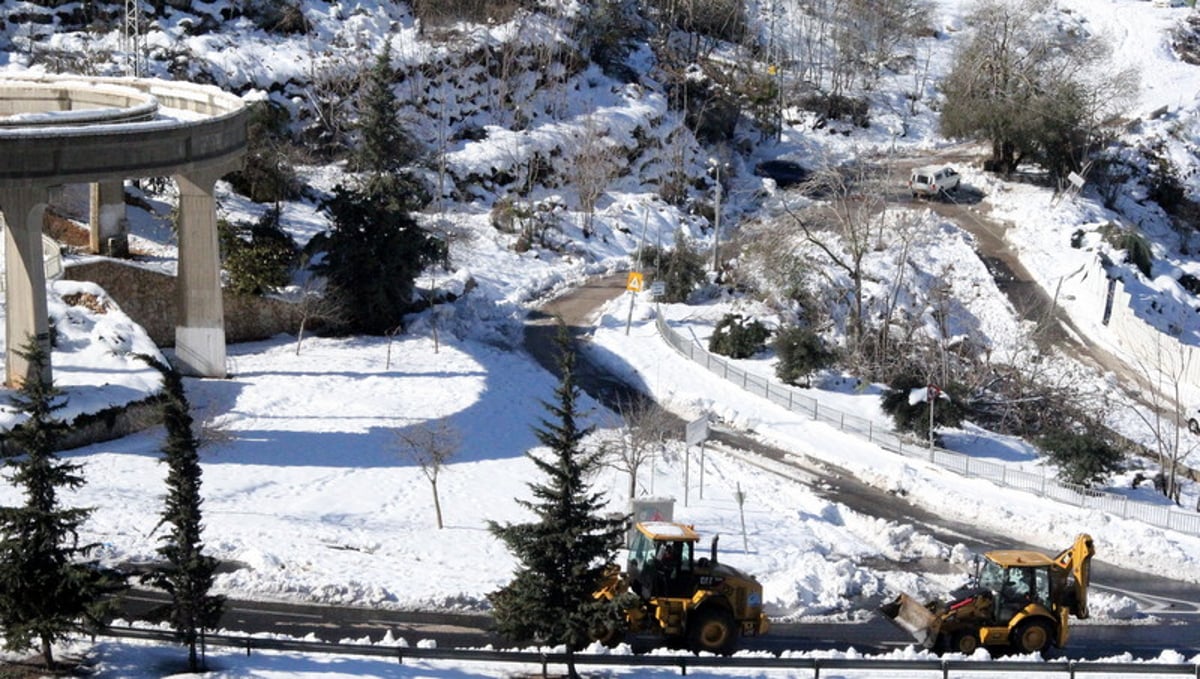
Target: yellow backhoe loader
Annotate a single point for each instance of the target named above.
(694, 601)
(1020, 599)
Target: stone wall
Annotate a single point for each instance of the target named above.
(149, 298)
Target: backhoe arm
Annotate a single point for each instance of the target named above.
(1078, 559)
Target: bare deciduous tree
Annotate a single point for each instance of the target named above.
(846, 226)
(333, 82)
(870, 34)
(593, 168)
(643, 429)
(430, 446)
(1030, 89)
(1163, 370)
(314, 305)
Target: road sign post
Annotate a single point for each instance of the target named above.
(741, 500)
(634, 285)
(696, 433)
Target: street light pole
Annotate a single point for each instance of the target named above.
(717, 226)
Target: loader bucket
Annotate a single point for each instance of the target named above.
(913, 617)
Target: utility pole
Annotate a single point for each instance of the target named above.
(131, 39)
(717, 226)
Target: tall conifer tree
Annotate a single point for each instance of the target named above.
(383, 145)
(372, 257)
(187, 573)
(48, 588)
(563, 552)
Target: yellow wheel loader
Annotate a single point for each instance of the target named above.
(1019, 600)
(690, 600)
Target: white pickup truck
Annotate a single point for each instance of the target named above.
(932, 181)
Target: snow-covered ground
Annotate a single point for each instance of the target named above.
(137, 661)
(305, 491)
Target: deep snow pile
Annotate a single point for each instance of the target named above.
(95, 353)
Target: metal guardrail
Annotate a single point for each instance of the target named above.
(885, 666)
(798, 402)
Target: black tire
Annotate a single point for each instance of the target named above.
(712, 630)
(1194, 426)
(607, 634)
(1032, 636)
(964, 642)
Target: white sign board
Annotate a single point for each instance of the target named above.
(696, 432)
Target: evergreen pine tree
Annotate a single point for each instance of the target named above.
(187, 573)
(373, 255)
(48, 589)
(383, 146)
(563, 553)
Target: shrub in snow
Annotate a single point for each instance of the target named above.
(801, 352)
(274, 16)
(738, 337)
(537, 224)
(1084, 458)
(720, 19)
(681, 268)
(259, 257)
(908, 401)
(471, 11)
(267, 175)
(1137, 250)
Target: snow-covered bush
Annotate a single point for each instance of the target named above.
(738, 337)
(258, 257)
(801, 352)
(1084, 458)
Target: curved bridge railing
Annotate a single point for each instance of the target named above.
(63, 130)
(36, 103)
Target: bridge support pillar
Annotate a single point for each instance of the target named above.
(24, 280)
(106, 219)
(200, 328)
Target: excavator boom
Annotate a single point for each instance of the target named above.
(1078, 560)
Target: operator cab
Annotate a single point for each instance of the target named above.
(662, 560)
(1016, 579)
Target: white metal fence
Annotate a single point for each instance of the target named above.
(1163, 516)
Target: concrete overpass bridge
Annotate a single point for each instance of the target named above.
(57, 130)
